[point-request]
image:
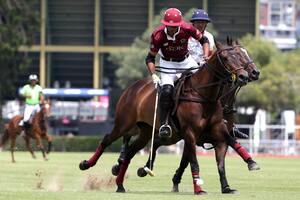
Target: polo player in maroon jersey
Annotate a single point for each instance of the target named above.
(170, 40)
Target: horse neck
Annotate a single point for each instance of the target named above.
(228, 94)
(39, 116)
(207, 76)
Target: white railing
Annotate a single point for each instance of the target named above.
(273, 140)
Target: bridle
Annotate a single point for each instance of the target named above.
(223, 77)
(246, 65)
(221, 61)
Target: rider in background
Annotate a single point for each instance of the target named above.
(33, 95)
(171, 41)
(200, 19)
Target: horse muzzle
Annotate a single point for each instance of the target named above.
(242, 79)
(254, 75)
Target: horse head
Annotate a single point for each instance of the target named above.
(231, 64)
(245, 59)
(45, 109)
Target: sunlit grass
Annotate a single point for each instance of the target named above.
(60, 178)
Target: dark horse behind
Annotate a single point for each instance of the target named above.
(37, 130)
(199, 114)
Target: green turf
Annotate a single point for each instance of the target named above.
(60, 178)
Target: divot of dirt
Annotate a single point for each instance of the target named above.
(95, 182)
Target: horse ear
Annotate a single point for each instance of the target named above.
(237, 42)
(229, 40)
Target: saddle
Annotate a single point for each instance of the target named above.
(178, 91)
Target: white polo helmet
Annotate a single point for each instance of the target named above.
(33, 77)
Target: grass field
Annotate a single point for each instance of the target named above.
(60, 178)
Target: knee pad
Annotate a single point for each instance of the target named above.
(166, 95)
(166, 92)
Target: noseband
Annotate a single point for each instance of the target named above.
(221, 61)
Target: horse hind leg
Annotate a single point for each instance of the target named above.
(142, 172)
(133, 148)
(119, 130)
(116, 168)
(220, 151)
(158, 142)
(5, 137)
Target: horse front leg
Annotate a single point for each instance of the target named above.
(190, 149)
(220, 152)
(49, 139)
(12, 148)
(40, 145)
(252, 165)
(179, 172)
(28, 145)
(231, 141)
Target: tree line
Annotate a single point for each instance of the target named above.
(276, 90)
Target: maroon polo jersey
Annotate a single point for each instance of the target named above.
(177, 48)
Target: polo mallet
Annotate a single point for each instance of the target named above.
(149, 171)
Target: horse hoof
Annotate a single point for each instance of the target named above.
(141, 172)
(115, 170)
(227, 190)
(120, 189)
(84, 165)
(202, 192)
(253, 166)
(175, 188)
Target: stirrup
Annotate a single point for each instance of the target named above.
(162, 129)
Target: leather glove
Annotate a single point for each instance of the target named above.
(155, 79)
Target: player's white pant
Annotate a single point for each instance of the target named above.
(29, 110)
(189, 62)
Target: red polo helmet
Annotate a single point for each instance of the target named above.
(172, 17)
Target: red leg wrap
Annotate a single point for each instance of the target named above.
(92, 161)
(196, 182)
(242, 151)
(123, 169)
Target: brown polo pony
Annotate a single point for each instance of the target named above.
(199, 112)
(227, 99)
(37, 131)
